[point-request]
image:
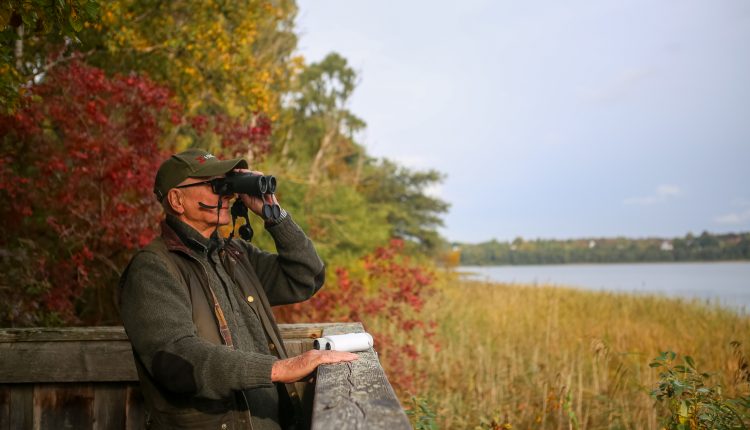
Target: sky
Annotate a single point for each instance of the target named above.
(555, 119)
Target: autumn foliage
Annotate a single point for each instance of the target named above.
(76, 177)
(384, 283)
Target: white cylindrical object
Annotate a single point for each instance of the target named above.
(351, 342)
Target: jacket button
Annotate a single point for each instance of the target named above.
(223, 427)
(271, 346)
(250, 299)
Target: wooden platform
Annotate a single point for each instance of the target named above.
(85, 378)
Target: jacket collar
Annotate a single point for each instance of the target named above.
(179, 236)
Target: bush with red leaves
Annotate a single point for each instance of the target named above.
(76, 176)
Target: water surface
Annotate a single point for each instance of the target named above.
(725, 282)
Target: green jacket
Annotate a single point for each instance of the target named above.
(197, 371)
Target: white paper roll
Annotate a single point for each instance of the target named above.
(351, 342)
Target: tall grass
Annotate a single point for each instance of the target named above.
(554, 358)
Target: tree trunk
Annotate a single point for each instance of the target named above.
(325, 143)
(360, 165)
(18, 52)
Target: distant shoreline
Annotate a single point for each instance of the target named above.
(603, 263)
(705, 247)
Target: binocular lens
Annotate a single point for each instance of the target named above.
(271, 184)
(262, 184)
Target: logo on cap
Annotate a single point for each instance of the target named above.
(202, 158)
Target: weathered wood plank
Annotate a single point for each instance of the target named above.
(288, 331)
(356, 395)
(5, 407)
(68, 407)
(63, 334)
(92, 354)
(109, 410)
(135, 415)
(81, 362)
(21, 406)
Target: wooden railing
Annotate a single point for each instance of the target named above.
(85, 378)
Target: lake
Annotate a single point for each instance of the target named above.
(726, 282)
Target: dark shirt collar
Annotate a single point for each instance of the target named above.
(192, 238)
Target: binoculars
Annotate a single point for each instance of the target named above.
(261, 186)
(248, 183)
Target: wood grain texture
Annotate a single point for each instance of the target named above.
(135, 414)
(43, 334)
(92, 354)
(5, 407)
(21, 406)
(71, 407)
(355, 395)
(109, 410)
(79, 361)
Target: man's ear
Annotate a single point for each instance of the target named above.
(176, 201)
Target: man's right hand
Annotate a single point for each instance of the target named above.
(296, 368)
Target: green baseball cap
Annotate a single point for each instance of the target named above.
(193, 163)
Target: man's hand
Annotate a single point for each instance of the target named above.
(255, 204)
(296, 368)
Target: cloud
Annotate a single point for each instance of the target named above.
(662, 193)
(733, 218)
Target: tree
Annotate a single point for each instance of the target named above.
(317, 129)
(412, 213)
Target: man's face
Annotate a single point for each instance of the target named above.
(198, 217)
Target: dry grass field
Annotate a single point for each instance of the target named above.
(556, 358)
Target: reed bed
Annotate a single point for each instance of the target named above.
(547, 357)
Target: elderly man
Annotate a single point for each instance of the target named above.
(197, 308)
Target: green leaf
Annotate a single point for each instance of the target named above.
(75, 22)
(689, 361)
(655, 364)
(683, 409)
(92, 9)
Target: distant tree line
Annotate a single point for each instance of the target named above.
(705, 247)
